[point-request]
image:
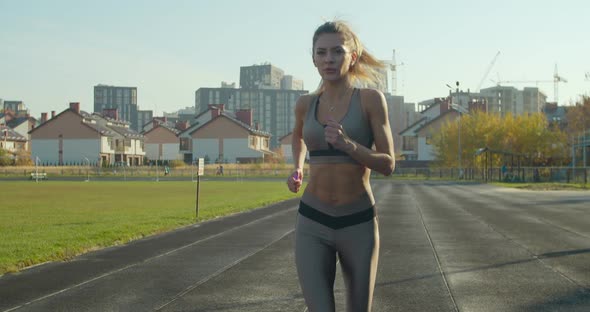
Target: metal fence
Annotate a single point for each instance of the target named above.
(522, 174)
(144, 171)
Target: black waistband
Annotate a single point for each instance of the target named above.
(330, 152)
(336, 222)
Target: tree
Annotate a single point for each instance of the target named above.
(277, 157)
(578, 123)
(527, 135)
(578, 117)
(5, 159)
(23, 158)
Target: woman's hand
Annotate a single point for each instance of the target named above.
(295, 180)
(336, 136)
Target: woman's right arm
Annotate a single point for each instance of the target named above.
(298, 146)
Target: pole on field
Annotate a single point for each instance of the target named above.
(200, 172)
(87, 170)
(37, 160)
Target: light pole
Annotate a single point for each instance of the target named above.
(157, 170)
(461, 110)
(87, 170)
(37, 160)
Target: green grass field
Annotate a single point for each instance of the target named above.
(52, 220)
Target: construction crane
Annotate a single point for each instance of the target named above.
(393, 65)
(487, 71)
(556, 80)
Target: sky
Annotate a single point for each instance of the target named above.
(55, 52)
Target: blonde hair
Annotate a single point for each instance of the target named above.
(365, 71)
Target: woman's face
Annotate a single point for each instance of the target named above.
(332, 57)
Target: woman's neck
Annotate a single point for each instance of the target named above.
(334, 90)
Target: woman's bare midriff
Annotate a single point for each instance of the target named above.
(338, 184)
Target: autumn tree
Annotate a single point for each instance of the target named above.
(528, 135)
(578, 123)
(5, 159)
(578, 117)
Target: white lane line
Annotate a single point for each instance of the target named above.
(220, 271)
(532, 254)
(440, 269)
(145, 261)
(520, 203)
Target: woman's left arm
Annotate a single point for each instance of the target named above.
(382, 159)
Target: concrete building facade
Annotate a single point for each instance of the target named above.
(265, 76)
(76, 137)
(224, 136)
(272, 109)
(124, 99)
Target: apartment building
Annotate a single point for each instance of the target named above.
(265, 76)
(77, 137)
(161, 139)
(12, 141)
(124, 99)
(219, 135)
(273, 109)
(506, 99)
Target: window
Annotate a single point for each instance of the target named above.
(184, 144)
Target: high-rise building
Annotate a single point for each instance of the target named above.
(124, 99)
(290, 83)
(143, 117)
(263, 88)
(14, 106)
(401, 115)
(265, 76)
(225, 84)
(533, 100)
(272, 109)
(505, 99)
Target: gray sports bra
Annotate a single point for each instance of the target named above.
(354, 123)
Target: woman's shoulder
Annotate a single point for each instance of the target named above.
(371, 98)
(371, 94)
(305, 100)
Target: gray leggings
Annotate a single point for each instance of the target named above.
(317, 245)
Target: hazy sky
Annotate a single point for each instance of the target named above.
(54, 52)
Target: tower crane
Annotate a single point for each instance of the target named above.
(556, 80)
(393, 65)
(487, 71)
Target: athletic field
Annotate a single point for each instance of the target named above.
(56, 220)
